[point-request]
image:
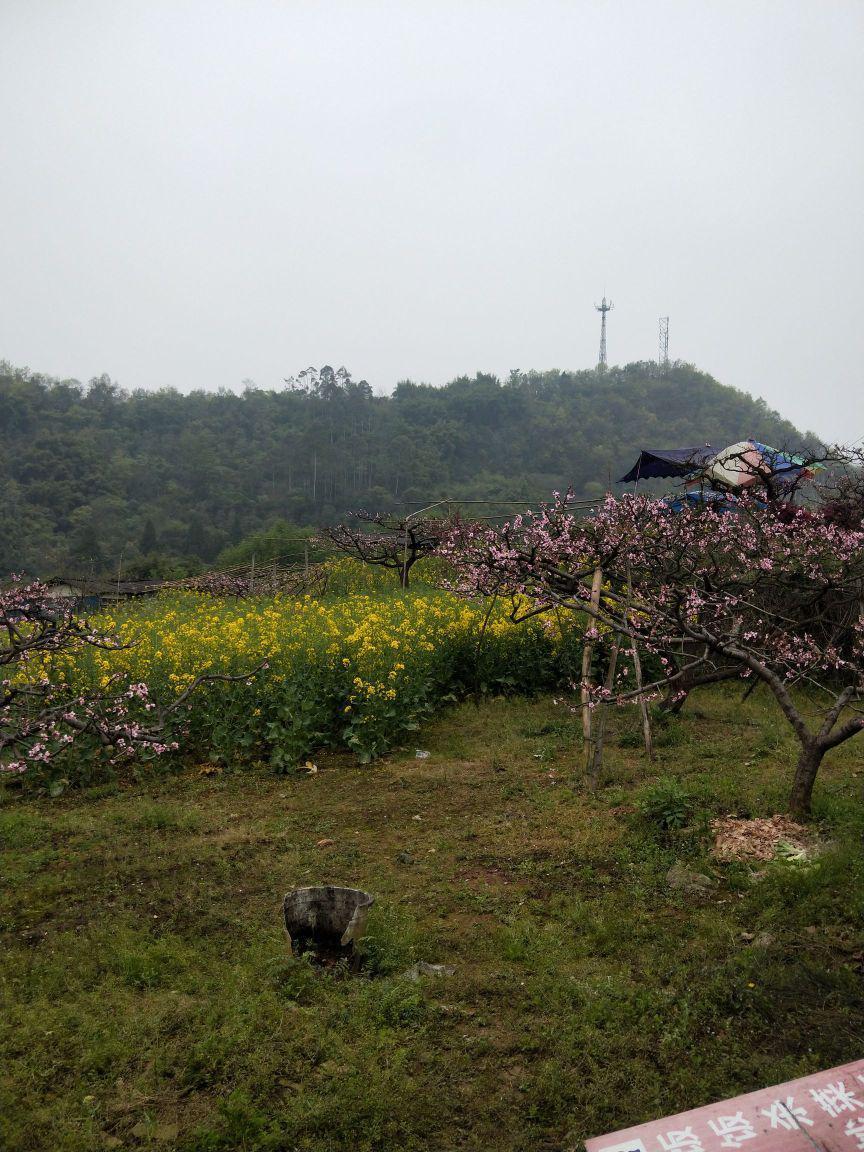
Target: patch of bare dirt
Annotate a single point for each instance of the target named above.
(485, 877)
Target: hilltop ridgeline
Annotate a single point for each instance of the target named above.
(90, 472)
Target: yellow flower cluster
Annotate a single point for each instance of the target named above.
(381, 657)
(172, 639)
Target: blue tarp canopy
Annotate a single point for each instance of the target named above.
(656, 462)
(785, 464)
(719, 501)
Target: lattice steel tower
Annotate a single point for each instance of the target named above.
(603, 309)
(663, 351)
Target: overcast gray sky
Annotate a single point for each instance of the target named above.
(198, 192)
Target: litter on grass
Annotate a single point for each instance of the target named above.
(763, 838)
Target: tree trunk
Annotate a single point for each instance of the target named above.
(805, 777)
(675, 698)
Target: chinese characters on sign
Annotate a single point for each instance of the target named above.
(820, 1113)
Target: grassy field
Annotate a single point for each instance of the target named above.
(150, 999)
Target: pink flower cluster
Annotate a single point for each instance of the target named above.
(41, 721)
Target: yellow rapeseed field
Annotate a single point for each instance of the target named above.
(351, 670)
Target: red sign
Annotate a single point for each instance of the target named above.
(821, 1113)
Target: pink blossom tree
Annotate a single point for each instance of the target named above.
(778, 597)
(44, 723)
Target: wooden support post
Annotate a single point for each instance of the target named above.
(596, 747)
(637, 670)
(587, 654)
(643, 704)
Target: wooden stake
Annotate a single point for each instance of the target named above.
(587, 654)
(637, 669)
(643, 705)
(596, 747)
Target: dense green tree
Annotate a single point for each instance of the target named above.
(149, 540)
(85, 468)
(281, 541)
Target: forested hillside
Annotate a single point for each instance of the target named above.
(90, 472)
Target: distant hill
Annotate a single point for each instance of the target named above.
(91, 472)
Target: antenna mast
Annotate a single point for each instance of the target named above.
(663, 351)
(603, 309)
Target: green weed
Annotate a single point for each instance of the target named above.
(666, 804)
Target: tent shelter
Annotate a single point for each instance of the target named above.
(660, 462)
(734, 468)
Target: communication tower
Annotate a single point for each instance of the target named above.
(603, 309)
(663, 352)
